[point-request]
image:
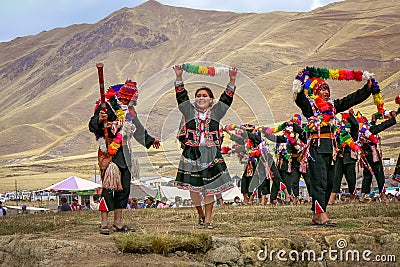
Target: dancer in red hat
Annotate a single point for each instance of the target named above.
(371, 158)
(116, 161)
(347, 155)
(312, 95)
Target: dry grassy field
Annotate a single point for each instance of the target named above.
(172, 237)
(44, 126)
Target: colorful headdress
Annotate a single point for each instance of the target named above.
(314, 85)
(364, 128)
(128, 90)
(305, 81)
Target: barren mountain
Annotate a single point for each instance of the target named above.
(49, 81)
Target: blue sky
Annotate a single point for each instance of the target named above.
(20, 18)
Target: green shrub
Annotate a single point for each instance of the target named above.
(162, 243)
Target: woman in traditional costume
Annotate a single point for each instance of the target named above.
(202, 169)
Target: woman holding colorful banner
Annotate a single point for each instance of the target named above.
(202, 169)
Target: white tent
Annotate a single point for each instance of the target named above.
(231, 194)
(155, 180)
(171, 191)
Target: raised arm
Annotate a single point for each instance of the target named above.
(355, 98)
(181, 94)
(226, 98)
(384, 125)
(299, 97)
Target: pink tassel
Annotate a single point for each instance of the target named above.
(349, 75)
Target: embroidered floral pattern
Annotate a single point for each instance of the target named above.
(202, 164)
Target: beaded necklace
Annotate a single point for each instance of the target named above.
(115, 125)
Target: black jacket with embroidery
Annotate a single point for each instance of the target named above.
(343, 104)
(140, 134)
(190, 136)
(375, 129)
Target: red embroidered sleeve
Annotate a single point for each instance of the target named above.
(179, 88)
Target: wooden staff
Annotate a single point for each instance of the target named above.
(102, 96)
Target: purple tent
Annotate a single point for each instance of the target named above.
(73, 183)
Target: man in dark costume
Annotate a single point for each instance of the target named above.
(372, 160)
(115, 159)
(346, 158)
(320, 110)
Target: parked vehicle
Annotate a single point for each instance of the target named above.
(25, 196)
(10, 196)
(3, 198)
(44, 196)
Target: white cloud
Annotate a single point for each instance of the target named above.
(319, 3)
(315, 4)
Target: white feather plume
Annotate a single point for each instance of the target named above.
(221, 70)
(367, 75)
(297, 86)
